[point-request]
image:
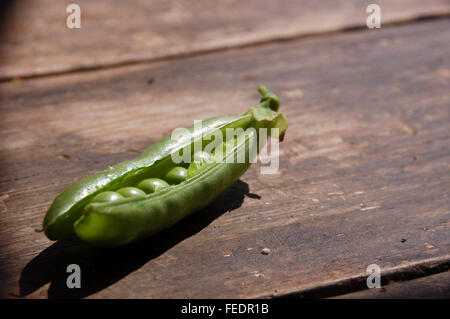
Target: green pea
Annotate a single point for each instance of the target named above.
(151, 185)
(200, 160)
(130, 192)
(176, 175)
(107, 196)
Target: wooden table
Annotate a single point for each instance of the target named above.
(364, 169)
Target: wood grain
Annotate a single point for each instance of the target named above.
(364, 167)
(36, 40)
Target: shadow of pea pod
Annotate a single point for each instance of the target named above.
(103, 267)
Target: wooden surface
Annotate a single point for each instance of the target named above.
(364, 169)
(116, 32)
(434, 286)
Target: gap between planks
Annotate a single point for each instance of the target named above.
(199, 52)
(415, 270)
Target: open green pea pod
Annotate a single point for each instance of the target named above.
(135, 199)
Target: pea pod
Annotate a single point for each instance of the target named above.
(130, 218)
(68, 206)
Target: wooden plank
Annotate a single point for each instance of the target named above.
(358, 284)
(36, 40)
(363, 167)
(435, 287)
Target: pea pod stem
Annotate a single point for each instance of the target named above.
(267, 96)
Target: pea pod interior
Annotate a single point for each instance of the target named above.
(125, 220)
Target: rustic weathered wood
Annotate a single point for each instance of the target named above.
(365, 165)
(36, 41)
(435, 286)
(355, 285)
